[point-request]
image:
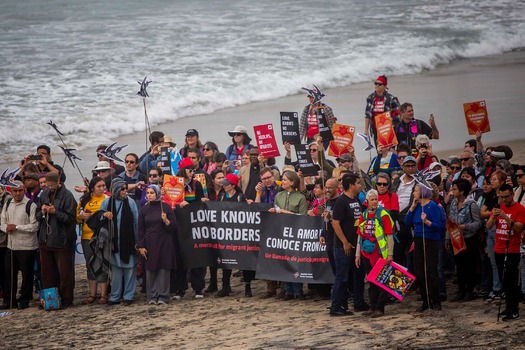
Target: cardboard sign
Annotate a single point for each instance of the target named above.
(343, 139)
(165, 161)
(290, 128)
(392, 277)
(456, 237)
(324, 127)
(266, 140)
(202, 179)
(304, 160)
(477, 117)
(385, 130)
(173, 190)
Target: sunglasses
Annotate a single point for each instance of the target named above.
(206, 149)
(312, 150)
(130, 162)
(190, 170)
(124, 188)
(153, 175)
(238, 134)
(382, 184)
(378, 84)
(464, 159)
(455, 167)
(519, 176)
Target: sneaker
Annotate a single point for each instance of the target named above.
(512, 316)
(128, 302)
(493, 296)
(152, 302)
(161, 302)
(199, 294)
(178, 295)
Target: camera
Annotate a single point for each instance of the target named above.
(423, 145)
(35, 157)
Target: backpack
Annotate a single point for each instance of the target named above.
(28, 205)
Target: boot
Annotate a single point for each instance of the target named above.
(248, 290)
(212, 287)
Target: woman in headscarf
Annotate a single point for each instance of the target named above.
(123, 215)
(90, 203)
(156, 224)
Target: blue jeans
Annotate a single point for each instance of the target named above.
(342, 267)
(123, 283)
(491, 238)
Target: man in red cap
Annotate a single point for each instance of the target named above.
(380, 101)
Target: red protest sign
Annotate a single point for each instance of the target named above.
(265, 138)
(386, 136)
(477, 117)
(343, 139)
(173, 190)
(456, 237)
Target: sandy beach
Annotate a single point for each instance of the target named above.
(251, 323)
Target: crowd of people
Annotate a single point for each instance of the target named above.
(402, 209)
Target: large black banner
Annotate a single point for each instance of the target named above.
(290, 127)
(224, 234)
(290, 249)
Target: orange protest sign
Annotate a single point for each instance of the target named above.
(477, 117)
(456, 237)
(173, 190)
(343, 139)
(386, 136)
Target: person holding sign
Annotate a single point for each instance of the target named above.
(156, 224)
(240, 144)
(309, 122)
(509, 221)
(465, 213)
(428, 222)
(380, 101)
(375, 240)
(290, 201)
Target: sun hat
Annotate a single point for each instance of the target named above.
(103, 166)
(239, 129)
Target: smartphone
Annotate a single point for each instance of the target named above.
(35, 157)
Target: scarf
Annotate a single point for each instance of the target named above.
(126, 245)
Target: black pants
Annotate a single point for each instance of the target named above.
(15, 261)
(178, 279)
(3, 287)
(402, 246)
(432, 276)
(378, 296)
(510, 279)
(467, 263)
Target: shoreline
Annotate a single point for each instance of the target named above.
(442, 91)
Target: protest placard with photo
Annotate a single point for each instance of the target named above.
(392, 277)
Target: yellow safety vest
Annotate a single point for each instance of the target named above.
(379, 232)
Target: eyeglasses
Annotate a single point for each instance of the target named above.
(464, 159)
(455, 167)
(153, 175)
(266, 178)
(312, 150)
(382, 184)
(378, 84)
(130, 162)
(519, 176)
